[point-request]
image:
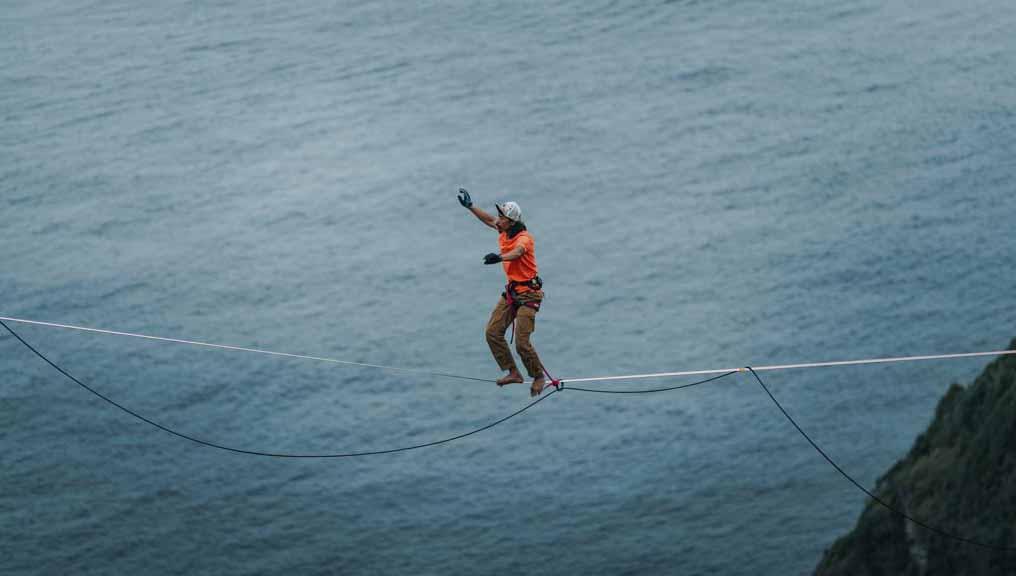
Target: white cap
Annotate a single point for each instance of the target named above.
(510, 210)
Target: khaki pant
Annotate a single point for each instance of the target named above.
(525, 325)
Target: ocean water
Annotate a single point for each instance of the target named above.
(710, 184)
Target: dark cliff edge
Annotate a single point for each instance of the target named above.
(959, 477)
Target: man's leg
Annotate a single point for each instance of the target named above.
(500, 320)
(525, 325)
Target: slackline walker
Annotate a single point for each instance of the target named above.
(558, 385)
(522, 296)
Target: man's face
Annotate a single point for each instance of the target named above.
(503, 224)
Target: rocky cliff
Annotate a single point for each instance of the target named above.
(959, 477)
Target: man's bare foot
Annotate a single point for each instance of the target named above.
(513, 377)
(537, 388)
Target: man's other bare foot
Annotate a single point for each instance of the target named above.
(513, 377)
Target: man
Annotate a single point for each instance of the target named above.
(521, 299)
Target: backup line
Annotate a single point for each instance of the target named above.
(722, 374)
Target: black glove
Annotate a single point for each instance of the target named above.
(491, 258)
(464, 198)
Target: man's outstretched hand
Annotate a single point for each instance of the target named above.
(464, 198)
(491, 258)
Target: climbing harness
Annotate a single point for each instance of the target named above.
(511, 297)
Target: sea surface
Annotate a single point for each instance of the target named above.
(710, 184)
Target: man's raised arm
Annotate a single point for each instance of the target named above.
(467, 202)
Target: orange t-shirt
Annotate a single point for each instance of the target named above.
(524, 268)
